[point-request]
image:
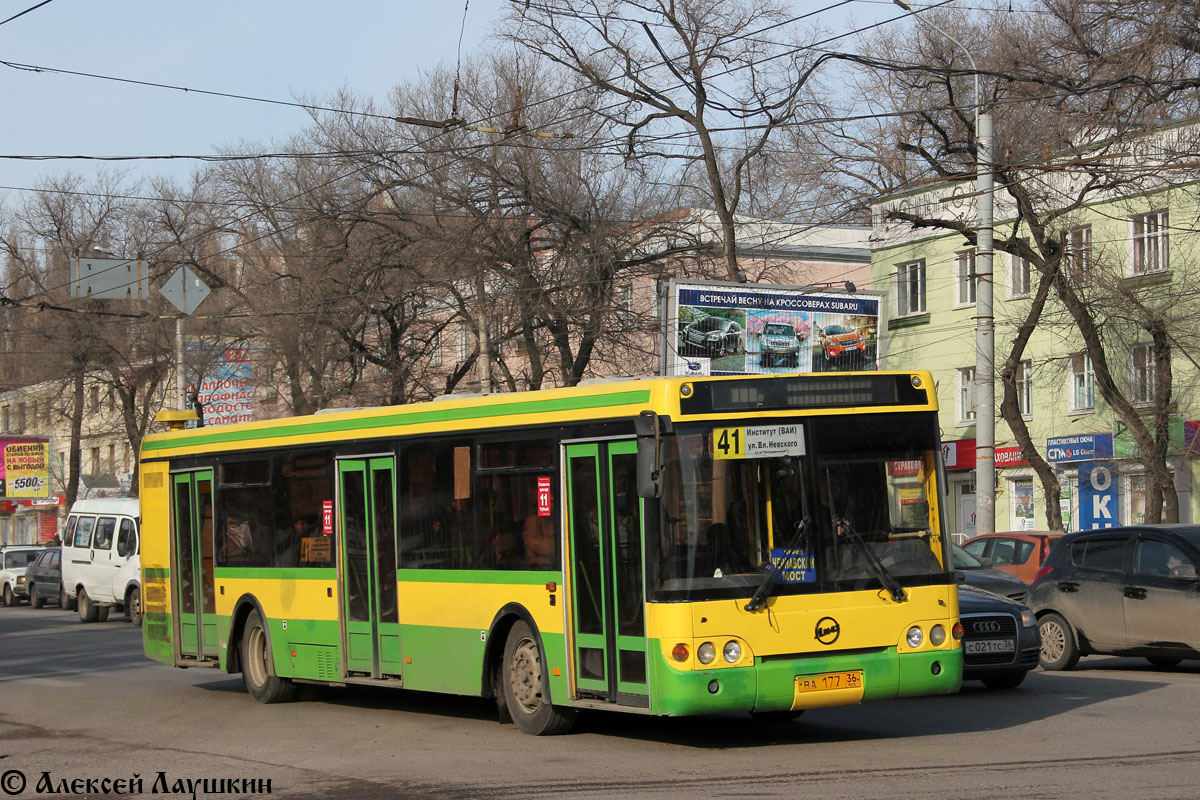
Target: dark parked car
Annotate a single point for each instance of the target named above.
(714, 336)
(44, 578)
(1129, 591)
(1000, 639)
(971, 571)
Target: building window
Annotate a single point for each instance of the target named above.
(5, 420)
(965, 394)
(96, 466)
(1083, 383)
(623, 297)
(94, 397)
(910, 288)
(20, 417)
(965, 278)
(1141, 374)
(435, 349)
(1077, 255)
(1025, 388)
(112, 458)
(464, 341)
(1150, 251)
(1018, 277)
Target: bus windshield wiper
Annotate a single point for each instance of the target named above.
(768, 585)
(886, 578)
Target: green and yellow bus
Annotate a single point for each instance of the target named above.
(665, 546)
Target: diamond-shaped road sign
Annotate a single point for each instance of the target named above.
(185, 291)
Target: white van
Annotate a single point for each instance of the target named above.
(101, 568)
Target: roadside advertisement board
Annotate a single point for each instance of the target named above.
(227, 390)
(24, 467)
(718, 328)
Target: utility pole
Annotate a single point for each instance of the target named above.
(985, 339)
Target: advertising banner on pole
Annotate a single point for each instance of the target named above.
(718, 328)
(1098, 498)
(227, 390)
(24, 467)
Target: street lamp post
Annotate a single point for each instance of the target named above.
(985, 340)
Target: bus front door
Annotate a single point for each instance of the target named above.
(604, 526)
(371, 622)
(192, 566)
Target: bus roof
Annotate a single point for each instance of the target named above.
(593, 402)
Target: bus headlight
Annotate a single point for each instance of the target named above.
(706, 653)
(937, 635)
(915, 636)
(733, 652)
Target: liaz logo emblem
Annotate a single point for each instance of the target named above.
(828, 630)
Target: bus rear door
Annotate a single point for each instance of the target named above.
(605, 576)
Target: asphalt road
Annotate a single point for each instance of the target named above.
(80, 702)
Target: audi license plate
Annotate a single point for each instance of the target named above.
(989, 646)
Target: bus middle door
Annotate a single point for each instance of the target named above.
(192, 565)
(371, 622)
(604, 526)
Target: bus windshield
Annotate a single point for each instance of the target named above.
(833, 503)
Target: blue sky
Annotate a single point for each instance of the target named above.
(275, 49)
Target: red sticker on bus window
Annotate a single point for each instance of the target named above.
(327, 517)
(543, 496)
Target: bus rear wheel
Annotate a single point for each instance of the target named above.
(261, 682)
(524, 681)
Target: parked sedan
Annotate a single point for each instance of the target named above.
(13, 561)
(1000, 639)
(838, 339)
(1019, 553)
(1129, 591)
(44, 578)
(971, 571)
(714, 336)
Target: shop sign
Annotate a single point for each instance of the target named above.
(1082, 447)
(1125, 446)
(1098, 498)
(1010, 457)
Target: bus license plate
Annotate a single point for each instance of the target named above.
(848, 679)
(828, 689)
(990, 646)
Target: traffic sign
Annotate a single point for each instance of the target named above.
(184, 290)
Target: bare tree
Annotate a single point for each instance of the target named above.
(705, 83)
(1071, 133)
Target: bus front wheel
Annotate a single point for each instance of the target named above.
(524, 682)
(261, 682)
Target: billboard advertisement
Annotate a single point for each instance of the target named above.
(746, 328)
(227, 390)
(24, 467)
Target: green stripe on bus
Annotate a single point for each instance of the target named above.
(516, 577)
(155, 572)
(361, 423)
(277, 573)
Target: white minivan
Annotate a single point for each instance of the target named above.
(101, 568)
